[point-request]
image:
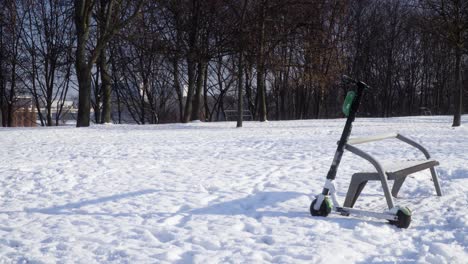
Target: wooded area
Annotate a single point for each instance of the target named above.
(148, 62)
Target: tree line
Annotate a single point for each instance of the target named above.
(150, 62)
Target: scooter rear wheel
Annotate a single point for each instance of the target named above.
(404, 218)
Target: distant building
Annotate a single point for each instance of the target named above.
(68, 112)
(24, 112)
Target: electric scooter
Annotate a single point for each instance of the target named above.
(322, 205)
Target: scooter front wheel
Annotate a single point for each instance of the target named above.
(324, 210)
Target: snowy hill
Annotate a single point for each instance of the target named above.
(211, 193)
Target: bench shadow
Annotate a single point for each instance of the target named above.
(456, 174)
(256, 205)
(68, 208)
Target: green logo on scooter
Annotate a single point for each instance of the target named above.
(348, 102)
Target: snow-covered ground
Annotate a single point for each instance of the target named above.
(211, 193)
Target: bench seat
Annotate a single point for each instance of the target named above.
(401, 168)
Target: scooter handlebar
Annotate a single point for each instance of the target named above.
(348, 80)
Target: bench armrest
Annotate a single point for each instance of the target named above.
(414, 144)
(355, 141)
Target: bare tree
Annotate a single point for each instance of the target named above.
(116, 17)
(11, 29)
(3, 64)
(47, 41)
(183, 60)
(450, 18)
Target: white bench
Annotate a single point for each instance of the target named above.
(396, 171)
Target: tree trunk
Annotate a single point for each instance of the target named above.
(191, 59)
(97, 96)
(261, 66)
(240, 99)
(458, 88)
(191, 88)
(83, 71)
(10, 109)
(198, 93)
(2, 85)
(49, 114)
(178, 89)
(119, 107)
(106, 88)
(51, 65)
(2, 101)
(142, 101)
(84, 95)
(205, 94)
(175, 63)
(2, 82)
(83, 74)
(248, 92)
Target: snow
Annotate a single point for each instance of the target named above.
(213, 193)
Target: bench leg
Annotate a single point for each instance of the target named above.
(386, 189)
(353, 193)
(401, 179)
(397, 185)
(358, 182)
(435, 179)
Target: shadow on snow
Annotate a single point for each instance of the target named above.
(258, 205)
